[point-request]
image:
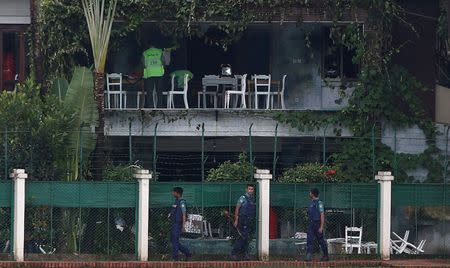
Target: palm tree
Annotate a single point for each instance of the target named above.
(99, 21)
(36, 41)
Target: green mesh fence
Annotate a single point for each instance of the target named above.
(80, 220)
(5, 219)
(96, 220)
(351, 205)
(422, 213)
(215, 235)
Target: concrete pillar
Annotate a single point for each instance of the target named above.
(143, 176)
(18, 176)
(263, 178)
(385, 179)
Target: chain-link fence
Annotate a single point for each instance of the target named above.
(80, 220)
(5, 219)
(346, 205)
(173, 158)
(421, 216)
(210, 206)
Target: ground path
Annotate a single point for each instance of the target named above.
(337, 263)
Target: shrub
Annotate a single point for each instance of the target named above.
(311, 172)
(120, 172)
(241, 170)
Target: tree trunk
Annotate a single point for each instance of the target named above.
(36, 43)
(98, 158)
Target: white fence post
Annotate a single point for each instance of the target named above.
(385, 179)
(143, 176)
(263, 178)
(18, 176)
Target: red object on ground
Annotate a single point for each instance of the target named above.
(9, 67)
(273, 224)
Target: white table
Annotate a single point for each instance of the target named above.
(217, 81)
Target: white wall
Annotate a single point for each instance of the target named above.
(220, 123)
(14, 11)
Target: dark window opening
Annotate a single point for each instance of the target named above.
(12, 58)
(337, 58)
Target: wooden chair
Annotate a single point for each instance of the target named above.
(353, 239)
(279, 95)
(262, 85)
(239, 93)
(116, 97)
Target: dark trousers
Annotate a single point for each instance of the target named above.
(241, 244)
(175, 234)
(313, 234)
(153, 85)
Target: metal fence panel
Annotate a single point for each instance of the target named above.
(346, 204)
(5, 219)
(82, 194)
(5, 190)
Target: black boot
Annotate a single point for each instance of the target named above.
(325, 258)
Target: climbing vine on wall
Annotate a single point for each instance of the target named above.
(384, 94)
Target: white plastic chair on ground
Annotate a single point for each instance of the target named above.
(174, 91)
(397, 245)
(279, 95)
(262, 85)
(401, 245)
(353, 239)
(116, 97)
(412, 249)
(239, 93)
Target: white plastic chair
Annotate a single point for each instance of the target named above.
(369, 246)
(279, 95)
(406, 247)
(353, 239)
(173, 91)
(262, 88)
(116, 97)
(238, 93)
(398, 245)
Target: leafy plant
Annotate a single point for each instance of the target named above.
(99, 21)
(311, 172)
(119, 172)
(242, 170)
(80, 100)
(34, 131)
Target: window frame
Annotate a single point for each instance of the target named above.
(19, 30)
(340, 77)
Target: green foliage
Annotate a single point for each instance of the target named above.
(58, 87)
(35, 129)
(99, 20)
(119, 172)
(384, 93)
(242, 170)
(311, 172)
(80, 100)
(388, 97)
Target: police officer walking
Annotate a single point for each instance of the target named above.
(243, 214)
(316, 215)
(178, 218)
